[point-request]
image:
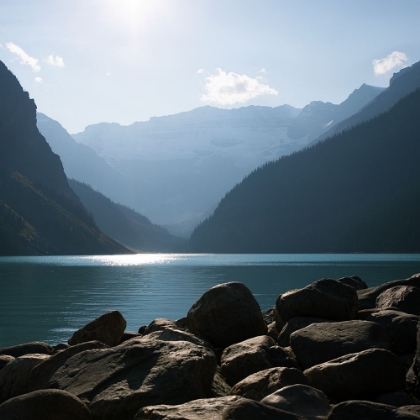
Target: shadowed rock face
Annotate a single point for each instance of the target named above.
(45, 405)
(117, 382)
(404, 298)
(358, 375)
(226, 314)
(324, 298)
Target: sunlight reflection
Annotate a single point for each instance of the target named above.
(131, 260)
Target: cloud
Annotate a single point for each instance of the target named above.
(108, 73)
(231, 88)
(263, 70)
(38, 81)
(385, 65)
(56, 61)
(24, 58)
(200, 71)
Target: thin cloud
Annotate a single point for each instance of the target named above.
(56, 61)
(232, 88)
(38, 81)
(24, 58)
(263, 70)
(200, 71)
(385, 65)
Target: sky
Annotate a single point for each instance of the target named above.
(91, 61)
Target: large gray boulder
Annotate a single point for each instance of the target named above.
(35, 347)
(318, 343)
(14, 376)
(367, 297)
(226, 314)
(263, 383)
(396, 399)
(303, 400)
(108, 328)
(359, 375)
(159, 324)
(245, 409)
(416, 366)
(203, 409)
(42, 373)
(354, 281)
(324, 298)
(294, 324)
(117, 382)
(45, 405)
(253, 355)
(400, 327)
(5, 359)
(360, 410)
(404, 298)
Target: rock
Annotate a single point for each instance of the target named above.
(129, 335)
(60, 347)
(415, 369)
(354, 281)
(324, 298)
(405, 298)
(359, 375)
(45, 405)
(263, 383)
(203, 409)
(245, 409)
(272, 330)
(108, 328)
(159, 324)
(170, 334)
(219, 387)
(319, 343)
(5, 359)
(117, 382)
(42, 373)
(367, 297)
(400, 327)
(396, 399)
(303, 400)
(294, 324)
(250, 356)
(351, 410)
(14, 376)
(36, 347)
(226, 314)
(409, 409)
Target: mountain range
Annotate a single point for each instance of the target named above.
(356, 191)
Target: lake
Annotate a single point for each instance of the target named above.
(48, 298)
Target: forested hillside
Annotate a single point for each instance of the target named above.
(358, 191)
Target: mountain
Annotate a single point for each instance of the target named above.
(124, 224)
(358, 191)
(401, 84)
(182, 165)
(39, 212)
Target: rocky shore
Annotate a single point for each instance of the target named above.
(335, 350)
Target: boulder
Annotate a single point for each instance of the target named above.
(108, 328)
(219, 387)
(294, 324)
(45, 405)
(118, 382)
(5, 359)
(319, 343)
(14, 376)
(59, 347)
(171, 334)
(37, 347)
(42, 373)
(415, 369)
(354, 281)
(226, 314)
(129, 335)
(203, 409)
(396, 399)
(351, 410)
(263, 383)
(250, 356)
(303, 400)
(324, 298)
(359, 375)
(404, 298)
(409, 409)
(245, 409)
(400, 327)
(159, 324)
(367, 297)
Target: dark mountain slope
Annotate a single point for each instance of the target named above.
(123, 224)
(401, 84)
(39, 212)
(356, 192)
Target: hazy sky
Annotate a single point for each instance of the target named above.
(89, 61)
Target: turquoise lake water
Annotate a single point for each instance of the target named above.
(47, 298)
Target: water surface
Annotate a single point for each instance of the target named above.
(47, 298)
